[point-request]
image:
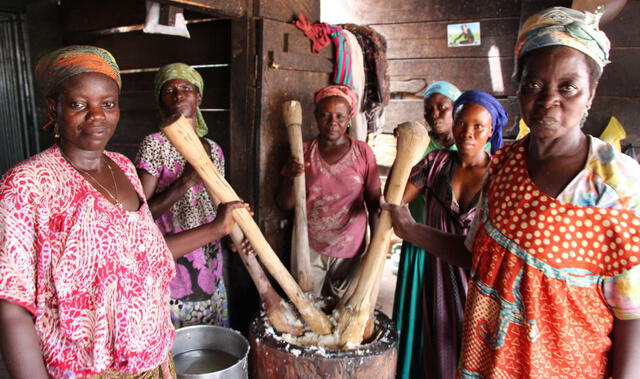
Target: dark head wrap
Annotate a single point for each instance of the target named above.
(184, 72)
(559, 26)
(495, 109)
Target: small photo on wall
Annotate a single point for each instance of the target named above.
(467, 34)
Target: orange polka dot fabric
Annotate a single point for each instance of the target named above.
(549, 276)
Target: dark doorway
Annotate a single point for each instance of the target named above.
(18, 123)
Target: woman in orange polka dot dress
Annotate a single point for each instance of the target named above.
(554, 289)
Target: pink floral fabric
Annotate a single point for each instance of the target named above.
(94, 276)
(336, 210)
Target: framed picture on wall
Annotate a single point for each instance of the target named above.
(467, 34)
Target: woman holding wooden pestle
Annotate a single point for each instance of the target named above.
(343, 190)
(553, 249)
(183, 210)
(450, 180)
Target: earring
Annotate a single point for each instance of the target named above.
(56, 131)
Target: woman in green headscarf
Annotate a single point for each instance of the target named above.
(181, 206)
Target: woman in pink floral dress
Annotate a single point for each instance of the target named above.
(84, 271)
(185, 214)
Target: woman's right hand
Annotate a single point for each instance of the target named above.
(400, 217)
(293, 168)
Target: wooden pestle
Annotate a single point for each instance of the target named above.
(300, 259)
(280, 315)
(412, 142)
(180, 132)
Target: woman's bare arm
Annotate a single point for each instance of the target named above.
(446, 246)
(19, 343)
(285, 197)
(626, 349)
(189, 240)
(372, 200)
(161, 202)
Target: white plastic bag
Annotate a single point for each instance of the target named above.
(152, 23)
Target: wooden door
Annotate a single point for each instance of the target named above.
(288, 70)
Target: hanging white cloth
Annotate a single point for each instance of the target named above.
(358, 128)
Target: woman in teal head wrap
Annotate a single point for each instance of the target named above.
(181, 205)
(407, 309)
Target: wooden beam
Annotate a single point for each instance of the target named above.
(225, 8)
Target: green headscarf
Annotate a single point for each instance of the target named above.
(184, 72)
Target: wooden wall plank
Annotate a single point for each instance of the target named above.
(501, 46)
(429, 39)
(222, 8)
(626, 110)
(623, 30)
(82, 15)
(621, 77)
(403, 11)
(299, 62)
(206, 45)
(287, 10)
(466, 73)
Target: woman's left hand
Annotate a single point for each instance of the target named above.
(246, 248)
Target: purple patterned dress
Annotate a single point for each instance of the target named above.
(198, 294)
(445, 286)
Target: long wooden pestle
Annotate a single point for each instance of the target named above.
(180, 132)
(412, 142)
(300, 259)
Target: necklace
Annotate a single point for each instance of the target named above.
(116, 202)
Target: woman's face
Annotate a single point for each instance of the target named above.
(472, 128)
(438, 112)
(180, 96)
(87, 111)
(554, 91)
(333, 116)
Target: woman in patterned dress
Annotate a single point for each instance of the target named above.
(554, 289)
(343, 187)
(179, 202)
(84, 271)
(450, 180)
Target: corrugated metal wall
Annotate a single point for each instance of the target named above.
(17, 106)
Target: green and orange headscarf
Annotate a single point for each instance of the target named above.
(559, 26)
(62, 64)
(184, 72)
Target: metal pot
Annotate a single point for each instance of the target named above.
(211, 352)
